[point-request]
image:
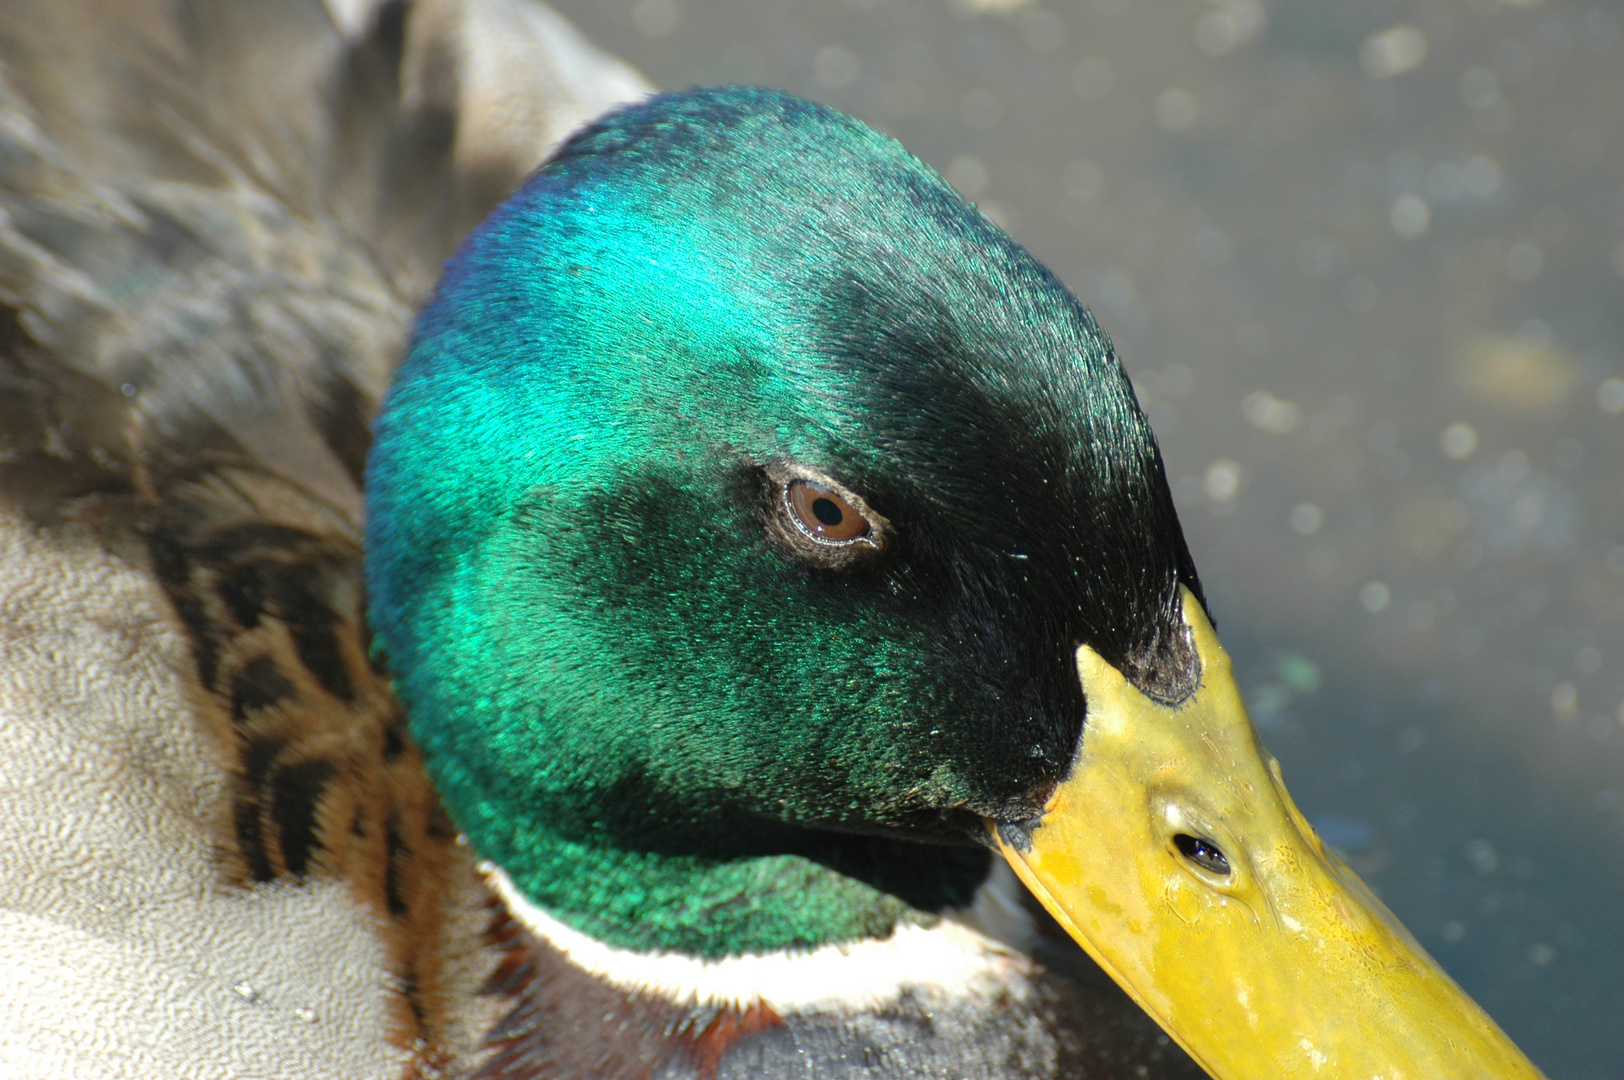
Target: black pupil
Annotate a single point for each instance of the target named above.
(1204, 853)
(827, 512)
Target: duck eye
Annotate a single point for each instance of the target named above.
(823, 514)
(1204, 853)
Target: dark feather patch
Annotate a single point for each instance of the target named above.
(342, 418)
(394, 856)
(258, 685)
(394, 738)
(295, 792)
(244, 594)
(251, 840)
(258, 756)
(318, 648)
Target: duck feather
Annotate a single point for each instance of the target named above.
(221, 855)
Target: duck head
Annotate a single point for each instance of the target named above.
(760, 537)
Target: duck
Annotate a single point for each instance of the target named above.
(751, 635)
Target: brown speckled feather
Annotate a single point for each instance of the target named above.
(326, 781)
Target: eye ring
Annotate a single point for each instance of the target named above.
(824, 514)
(820, 519)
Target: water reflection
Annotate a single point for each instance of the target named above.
(1366, 266)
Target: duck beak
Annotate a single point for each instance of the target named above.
(1175, 857)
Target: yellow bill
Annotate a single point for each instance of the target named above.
(1174, 855)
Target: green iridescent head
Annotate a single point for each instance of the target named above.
(714, 325)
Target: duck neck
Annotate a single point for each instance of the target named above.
(836, 888)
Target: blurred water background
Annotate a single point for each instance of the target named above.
(1365, 264)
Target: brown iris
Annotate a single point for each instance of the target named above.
(823, 514)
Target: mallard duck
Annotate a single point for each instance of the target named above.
(769, 572)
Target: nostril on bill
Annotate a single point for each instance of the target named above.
(1204, 853)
